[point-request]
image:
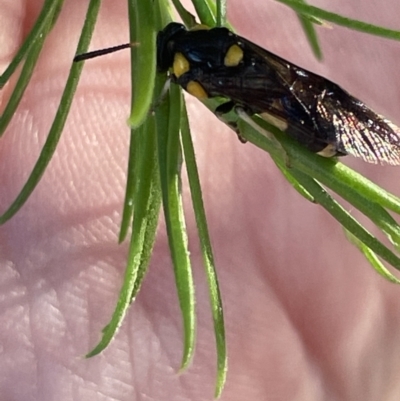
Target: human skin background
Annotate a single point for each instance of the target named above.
(306, 317)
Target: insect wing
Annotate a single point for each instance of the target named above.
(340, 119)
(362, 132)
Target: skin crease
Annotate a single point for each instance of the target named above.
(306, 317)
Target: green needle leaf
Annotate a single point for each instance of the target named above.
(170, 161)
(60, 118)
(337, 19)
(208, 258)
(46, 19)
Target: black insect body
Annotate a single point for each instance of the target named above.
(315, 111)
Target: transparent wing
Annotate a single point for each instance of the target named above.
(362, 132)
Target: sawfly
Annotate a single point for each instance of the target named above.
(319, 114)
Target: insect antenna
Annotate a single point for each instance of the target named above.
(102, 52)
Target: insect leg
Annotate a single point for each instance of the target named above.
(225, 108)
(161, 97)
(245, 116)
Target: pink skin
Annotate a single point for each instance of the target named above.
(306, 317)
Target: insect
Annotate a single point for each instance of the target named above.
(318, 113)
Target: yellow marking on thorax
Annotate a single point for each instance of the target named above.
(181, 65)
(233, 56)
